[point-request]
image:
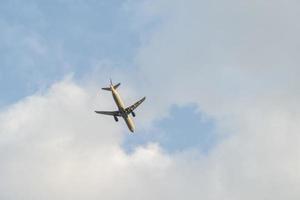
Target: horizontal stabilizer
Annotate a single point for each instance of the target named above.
(109, 89)
(117, 85)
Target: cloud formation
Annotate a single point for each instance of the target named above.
(54, 147)
(237, 61)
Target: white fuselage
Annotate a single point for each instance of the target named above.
(121, 107)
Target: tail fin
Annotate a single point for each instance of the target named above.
(114, 86)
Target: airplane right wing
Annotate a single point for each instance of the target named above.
(113, 113)
(130, 109)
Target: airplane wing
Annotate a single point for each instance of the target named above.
(134, 106)
(113, 113)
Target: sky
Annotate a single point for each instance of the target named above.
(221, 118)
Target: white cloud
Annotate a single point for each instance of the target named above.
(48, 140)
(53, 146)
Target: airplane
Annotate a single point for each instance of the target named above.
(122, 110)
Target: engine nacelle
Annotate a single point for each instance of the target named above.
(133, 114)
(116, 118)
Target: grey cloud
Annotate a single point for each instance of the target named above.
(238, 61)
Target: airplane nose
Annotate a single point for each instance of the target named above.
(132, 129)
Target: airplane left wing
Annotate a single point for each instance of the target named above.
(113, 113)
(134, 106)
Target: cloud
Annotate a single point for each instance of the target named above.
(53, 146)
(237, 61)
(50, 140)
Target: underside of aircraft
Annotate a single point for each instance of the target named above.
(122, 111)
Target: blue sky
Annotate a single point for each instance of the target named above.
(42, 41)
(185, 128)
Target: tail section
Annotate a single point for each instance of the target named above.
(111, 86)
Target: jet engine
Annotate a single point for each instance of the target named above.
(116, 118)
(133, 114)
